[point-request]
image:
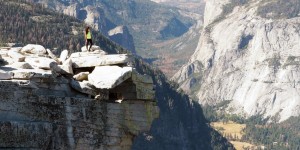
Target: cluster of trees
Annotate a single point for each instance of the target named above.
(259, 131)
(24, 22)
(285, 135)
(279, 9)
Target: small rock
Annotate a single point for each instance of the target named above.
(22, 65)
(16, 56)
(64, 55)
(53, 56)
(66, 68)
(5, 75)
(34, 49)
(84, 87)
(81, 76)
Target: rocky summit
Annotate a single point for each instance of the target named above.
(84, 100)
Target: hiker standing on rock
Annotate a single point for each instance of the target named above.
(88, 38)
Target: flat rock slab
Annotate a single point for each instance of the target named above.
(16, 56)
(85, 54)
(100, 60)
(107, 77)
(22, 65)
(26, 74)
(5, 75)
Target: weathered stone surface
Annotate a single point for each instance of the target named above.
(85, 54)
(84, 87)
(5, 75)
(81, 76)
(53, 56)
(107, 77)
(22, 65)
(46, 63)
(64, 55)
(93, 48)
(41, 62)
(92, 61)
(34, 49)
(54, 122)
(16, 56)
(26, 74)
(44, 108)
(33, 61)
(66, 68)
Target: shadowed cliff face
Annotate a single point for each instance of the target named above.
(249, 55)
(181, 124)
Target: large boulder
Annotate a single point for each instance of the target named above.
(41, 62)
(5, 75)
(64, 55)
(107, 77)
(34, 49)
(100, 60)
(16, 56)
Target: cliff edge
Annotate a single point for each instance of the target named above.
(86, 100)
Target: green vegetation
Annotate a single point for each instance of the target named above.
(259, 131)
(279, 9)
(23, 22)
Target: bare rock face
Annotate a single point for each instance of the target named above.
(5, 75)
(81, 76)
(100, 60)
(107, 77)
(250, 61)
(22, 65)
(34, 49)
(43, 107)
(64, 55)
(121, 35)
(93, 48)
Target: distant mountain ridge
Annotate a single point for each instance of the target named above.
(181, 124)
(247, 59)
(148, 23)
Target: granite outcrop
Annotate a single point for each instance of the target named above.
(59, 103)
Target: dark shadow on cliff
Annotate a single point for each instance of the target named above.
(181, 124)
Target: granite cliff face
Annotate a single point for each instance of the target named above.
(247, 57)
(105, 105)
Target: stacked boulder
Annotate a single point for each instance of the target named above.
(97, 74)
